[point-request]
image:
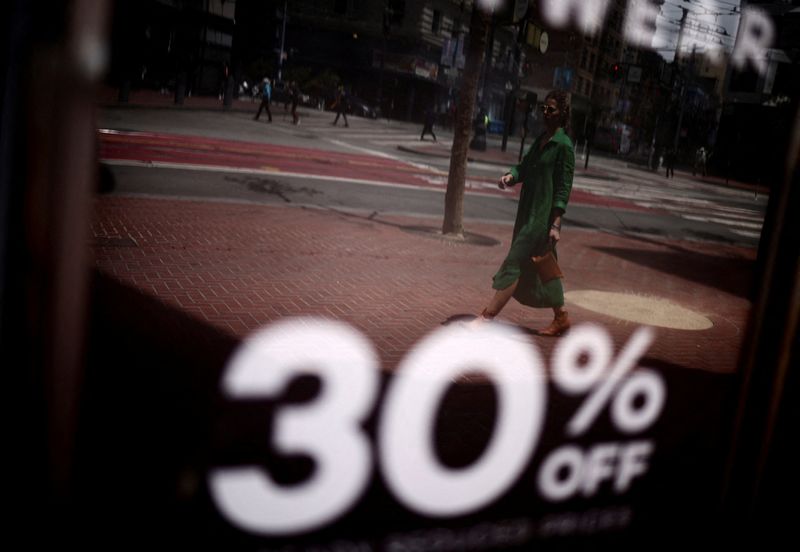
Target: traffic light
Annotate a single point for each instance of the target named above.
(615, 72)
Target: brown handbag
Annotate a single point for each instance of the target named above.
(547, 267)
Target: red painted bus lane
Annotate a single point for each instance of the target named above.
(176, 150)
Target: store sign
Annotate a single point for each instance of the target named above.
(400, 457)
(409, 65)
(755, 36)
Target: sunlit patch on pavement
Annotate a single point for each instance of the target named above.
(641, 309)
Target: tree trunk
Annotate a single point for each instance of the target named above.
(454, 197)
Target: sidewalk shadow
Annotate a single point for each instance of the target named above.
(469, 238)
(461, 318)
(731, 275)
(458, 318)
(639, 233)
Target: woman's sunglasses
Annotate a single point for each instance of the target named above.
(549, 109)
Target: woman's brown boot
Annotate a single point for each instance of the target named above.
(558, 326)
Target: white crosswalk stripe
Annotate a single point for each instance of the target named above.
(678, 200)
(728, 221)
(747, 233)
(410, 142)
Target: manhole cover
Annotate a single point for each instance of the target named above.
(642, 309)
(469, 237)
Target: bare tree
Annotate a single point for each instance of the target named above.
(454, 197)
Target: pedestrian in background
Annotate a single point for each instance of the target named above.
(479, 125)
(340, 103)
(669, 162)
(266, 96)
(700, 159)
(224, 76)
(294, 95)
(430, 119)
(546, 174)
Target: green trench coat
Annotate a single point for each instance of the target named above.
(546, 177)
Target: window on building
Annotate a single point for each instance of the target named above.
(591, 62)
(437, 21)
(340, 6)
(448, 27)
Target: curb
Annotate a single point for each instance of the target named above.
(581, 172)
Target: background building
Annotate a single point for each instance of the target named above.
(400, 58)
(757, 109)
(180, 47)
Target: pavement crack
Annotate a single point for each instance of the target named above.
(271, 187)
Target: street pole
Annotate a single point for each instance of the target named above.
(652, 146)
(592, 111)
(283, 38)
(487, 62)
(681, 99)
(507, 115)
(385, 32)
(524, 135)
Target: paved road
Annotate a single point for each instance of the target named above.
(236, 158)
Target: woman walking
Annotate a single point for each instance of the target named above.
(546, 175)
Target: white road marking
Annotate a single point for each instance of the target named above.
(385, 155)
(746, 233)
(268, 172)
(727, 222)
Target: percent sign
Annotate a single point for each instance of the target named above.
(605, 376)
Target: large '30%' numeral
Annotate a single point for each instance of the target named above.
(329, 428)
(408, 419)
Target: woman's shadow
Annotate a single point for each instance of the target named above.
(464, 318)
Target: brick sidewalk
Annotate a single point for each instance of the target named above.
(240, 266)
